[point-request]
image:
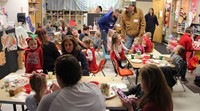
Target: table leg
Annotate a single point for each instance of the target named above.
(14, 107)
(137, 74)
(23, 108)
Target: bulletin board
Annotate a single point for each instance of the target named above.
(93, 17)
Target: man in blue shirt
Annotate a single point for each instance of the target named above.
(107, 22)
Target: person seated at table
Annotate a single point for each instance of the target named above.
(137, 46)
(70, 46)
(180, 64)
(85, 32)
(146, 42)
(72, 94)
(90, 54)
(38, 84)
(117, 49)
(157, 94)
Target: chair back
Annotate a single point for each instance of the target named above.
(116, 66)
(101, 65)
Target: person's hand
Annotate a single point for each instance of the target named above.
(54, 87)
(126, 104)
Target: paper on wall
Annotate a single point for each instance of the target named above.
(21, 36)
(2, 58)
(12, 42)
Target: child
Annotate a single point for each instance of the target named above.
(38, 84)
(33, 55)
(148, 46)
(137, 46)
(90, 54)
(96, 38)
(109, 40)
(117, 49)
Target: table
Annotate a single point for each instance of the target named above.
(138, 66)
(19, 99)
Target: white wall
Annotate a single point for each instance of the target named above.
(144, 6)
(13, 7)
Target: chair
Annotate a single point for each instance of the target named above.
(177, 78)
(105, 55)
(123, 72)
(100, 67)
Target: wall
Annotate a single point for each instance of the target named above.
(13, 7)
(144, 6)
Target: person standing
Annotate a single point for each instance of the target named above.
(151, 22)
(132, 25)
(107, 22)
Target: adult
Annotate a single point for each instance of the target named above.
(151, 22)
(132, 25)
(107, 22)
(76, 36)
(74, 95)
(70, 46)
(99, 9)
(50, 52)
(157, 94)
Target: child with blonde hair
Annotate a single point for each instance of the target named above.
(137, 46)
(90, 53)
(146, 42)
(109, 40)
(117, 49)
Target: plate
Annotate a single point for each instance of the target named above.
(136, 60)
(157, 61)
(111, 95)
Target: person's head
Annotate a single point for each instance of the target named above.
(155, 88)
(98, 9)
(86, 30)
(68, 70)
(115, 40)
(98, 34)
(179, 50)
(147, 34)
(110, 32)
(116, 13)
(33, 43)
(69, 45)
(38, 84)
(151, 11)
(131, 8)
(137, 41)
(74, 31)
(88, 42)
(188, 30)
(42, 35)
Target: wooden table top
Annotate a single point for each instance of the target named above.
(113, 103)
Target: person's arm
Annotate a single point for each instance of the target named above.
(189, 45)
(126, 104)
(156, 20)
(84, 63)
(102, 21)
(89, 55)
(123, 46)
(142, 24)
(122, 24)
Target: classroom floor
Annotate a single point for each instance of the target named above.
(183, 101)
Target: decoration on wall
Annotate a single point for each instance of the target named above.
(9, 42)
(2, 58)
(28, 20)
(21, 36)
(4, 41)
(167, 14)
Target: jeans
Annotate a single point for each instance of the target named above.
(104, 38)
(129, 41)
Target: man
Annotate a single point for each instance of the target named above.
(107, 22)
(132, 24)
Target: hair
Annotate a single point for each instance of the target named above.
(181, 50)
(34, 39)
(100, 8)
(139, 39)
(85, 27)
(117, 10)
(110, 31)
(63, 25)
(115, 37)
(148, 34)
(98, 34)
(133, 5)
(155, 88)
(42, 34)
(88, 40)
(37, 83)
(67, 68)
(152, 11)
(76, 49)
(188, 30)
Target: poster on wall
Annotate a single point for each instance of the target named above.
(28, 20)
(9, 41)
(21, 36)
(4, 41)
(2, 58)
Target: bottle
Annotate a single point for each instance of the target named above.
(94, 26)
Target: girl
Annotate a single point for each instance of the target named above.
(157, 94)
(90, 54)
(38, 84)
(33, 55)
(117, 49)
(137, 45)
(146, 42)
(109, 40)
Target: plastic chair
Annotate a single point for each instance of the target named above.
(105, 55)
(123, 72)
(100, 67)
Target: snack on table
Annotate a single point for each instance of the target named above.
(105, 89)
(15, 90)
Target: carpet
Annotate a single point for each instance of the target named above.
(192, 86)
(161, 48)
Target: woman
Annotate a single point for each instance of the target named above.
(50, 51)
(157, 94)
(70, 46)
(74, 95)
(151, 22)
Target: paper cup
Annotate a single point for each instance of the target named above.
(50, 74)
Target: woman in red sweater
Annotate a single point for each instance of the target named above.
(157, 94)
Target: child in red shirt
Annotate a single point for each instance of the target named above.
(90, 54)
(146, 42)
(33, 55)
(137, 46)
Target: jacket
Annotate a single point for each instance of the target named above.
(133, 25)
